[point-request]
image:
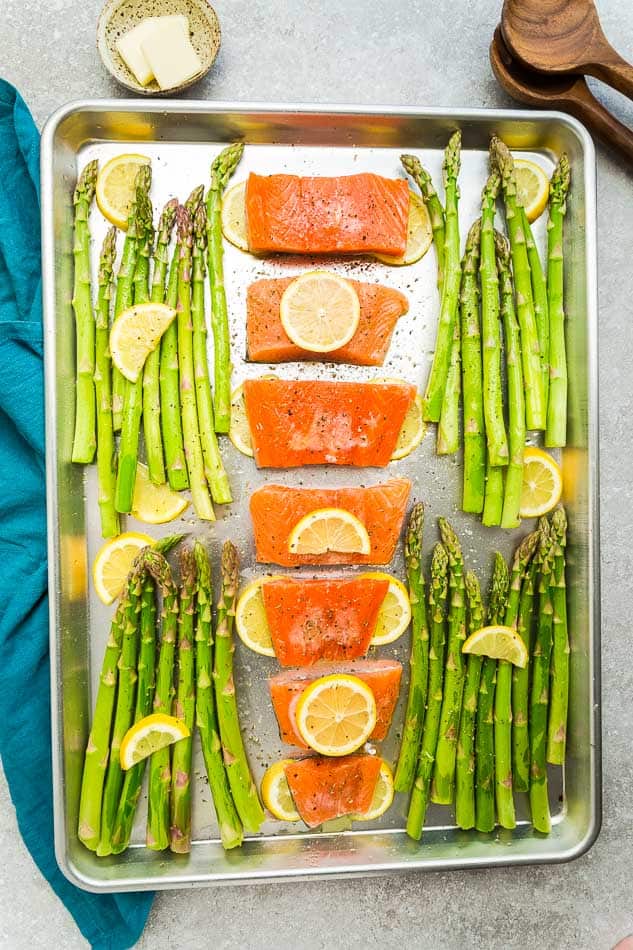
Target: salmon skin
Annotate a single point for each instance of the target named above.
(276, 509)
(349, 214)
(317, 422)
(324, 788)
(382, 677)
(380, 309)
(323, 619)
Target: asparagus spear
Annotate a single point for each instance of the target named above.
(438, 591)
(241, 781)
(465, 768)
(520, 686)
(443, 789)
(448, 427)
(184, 708)
(206, 716)
(133, 402)
(557, 734)
(484, 734)
(503, 693)
(159, 782)
(436, 385)
(556, 432)
(124, 298)
(193, 448)
(84, 442)
(151, 370)
(424, 182)
(419, 661)
(221, 171)
(516, 400)
(474, 434)
(539, 294)
(124, 710)
(539, 694)
(535, 408)
(213, 467)
(491, 329)
(144, 698)
(98, 747)
(493, 502)
(106, 452)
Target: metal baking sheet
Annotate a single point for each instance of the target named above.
(182, 138)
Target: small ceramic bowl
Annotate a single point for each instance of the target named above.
(119, 16)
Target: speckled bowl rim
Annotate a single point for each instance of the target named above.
(108, 11)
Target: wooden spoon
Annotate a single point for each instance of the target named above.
(563, 36)
(570, 93)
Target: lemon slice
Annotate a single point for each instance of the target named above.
(336, 714)
(155, 504)
(419, 234)
(394, 615)
(114, 561)
(135, 333)
(276, 792)
(329, 529)
(542, 483)
(239, 431)
(234, 215)
(251, 622)
(500, 643)
(412, 430)
(115, 187)
(383, 795)
(532, 187)
(320, 311)
(149, 735)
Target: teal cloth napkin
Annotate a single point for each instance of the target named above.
(109, 922)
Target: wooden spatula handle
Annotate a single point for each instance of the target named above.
(607, 128)
(617, 73)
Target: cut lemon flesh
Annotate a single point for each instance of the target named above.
(135, 333)
(114, 561)
(383, 795)
(542, 483)
(251, 622)
(532, 187)
(500, 643)
(419, 234)
(276, 792)
(115, 187)
(336, 714)
(329, 529)
(155, 504)
(320, 311)
(239, 431)
(149, 735)
(394, 615)
(234, 215)
(412, 430)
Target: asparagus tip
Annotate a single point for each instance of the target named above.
(194, 199)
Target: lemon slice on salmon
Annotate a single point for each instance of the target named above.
(251, 622)
(329, 529)
(114, 561)
(498, 642)
(135, 333)
(419, 234)
(320, 311)
(336, 714)
(394, 615)
(234, 215)
(542, 483)
(383, 796)
(532, 187)
(276, 792)
(149, 735)
(115, 187)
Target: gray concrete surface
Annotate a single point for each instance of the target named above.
(429, 53)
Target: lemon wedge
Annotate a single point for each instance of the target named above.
(532, 187)
(329, 529)
(542, 483)
(149, 735)
(155, 504)
(251, 622)
(239, 431)
(394, 615)
(419, 234)
(500, 643)
(115, 187)
(336, 714)
(234, 215)
(383, 795)
(135, 333)
(276, 792)
(114, 561)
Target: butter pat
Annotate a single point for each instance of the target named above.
(129, 45)
(171, 57)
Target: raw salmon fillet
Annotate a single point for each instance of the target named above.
(349, 214)
(324, 619)
(382, 677)
(276, 509)
(317, 422)
(324, 788)
(268, 342)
